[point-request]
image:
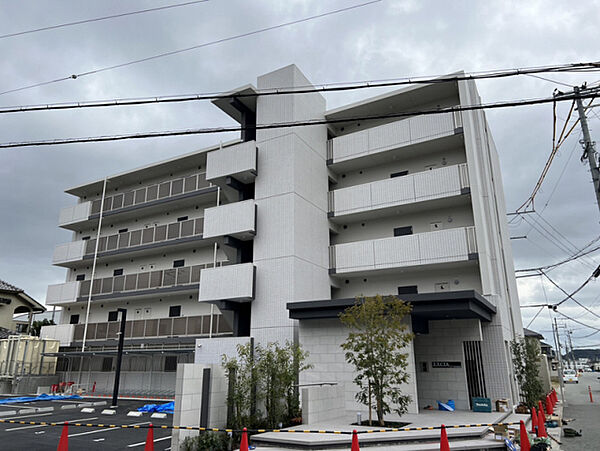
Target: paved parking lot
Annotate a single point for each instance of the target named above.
(39, 437)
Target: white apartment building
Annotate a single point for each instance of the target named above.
(270, 237)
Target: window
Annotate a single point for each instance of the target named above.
(74, 319)
(174, 310)
(401, 231)
(118, 272)
(408, 289)
(107, 364)
(178, 263)
(171, 363)
(123, 230)
(182, 218)
(398, 174)
(113, 316)
(85, 238)
(80, 277)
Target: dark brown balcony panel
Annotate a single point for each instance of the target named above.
(136, 238)
(196, 274)
(91, 331)
(169, 277)
(176, 187)
(155, 279)
(164, 190)
(190, 184)
(161, 233)
(107, 285)
(96, 286)
(152, 193)
(187, 228)
(84, 288)
(147, 235)
(151, 328)
(173, 231)
(113, 329)
(112, 242)
(194, 325)
(140, 196)
(143, 280)
(124, 240)
(138, 328)
(165, 326)
(101, 331)
(119, 283)
(183, 275)
(130, 282)
(179, 326)
(117, 201)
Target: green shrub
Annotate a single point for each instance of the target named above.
(207, 441)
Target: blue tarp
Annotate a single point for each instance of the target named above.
(161, 408)
(448, 406)
(41, 397)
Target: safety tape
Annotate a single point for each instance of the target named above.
(256, 431)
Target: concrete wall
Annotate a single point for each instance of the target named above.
(322, 404)
(189, 399)
(292, 235)
(322, 339)
(444, 343)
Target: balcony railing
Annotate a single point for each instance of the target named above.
(236, 219)
(421, 186)
(228, 283)
(390, 136)
(161, 278)
(159, 327)
(238, 161)
(151, 193)
(442, 246)
(149, 235)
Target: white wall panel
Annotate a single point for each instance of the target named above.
(389, 136)
(61, 332)
(233, 282)
(432, 126)
(394, 191)
(437, 183)
(231, 160)
(354, 256)
(398, 251)
(74, 213)
(62, 293)
(350, 200)
(444, 246)
(230, 219)
(68, 252)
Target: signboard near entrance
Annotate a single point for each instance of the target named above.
(445, 365)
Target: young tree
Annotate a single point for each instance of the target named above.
(36, 326)
(526, 358)
(376, 347)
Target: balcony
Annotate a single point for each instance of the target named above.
(398, 134)
(443, 246)
(228, 283)
(138, 284)
(159, 327)
(61, 332)
(423, 186)
(176, 233)
(238, 161)
(181, 189)
(237, 219)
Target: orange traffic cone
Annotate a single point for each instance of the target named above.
(534, 421)
(444, 445)
(549, 406)
(63, 444)
(150, 439)
(355, 446)
(541, 410)
(541, 425)
(244, 443)
(525, 445)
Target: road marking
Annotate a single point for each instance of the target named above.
(99, 439)
(28, 416)
(44, 425)
(133, 445)
(107, 429)
(40, 432)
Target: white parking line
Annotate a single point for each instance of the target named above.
(107, 429)
(27, 416)
(133, 445)
(44, 425)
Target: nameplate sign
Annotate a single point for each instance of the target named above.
(445, 365)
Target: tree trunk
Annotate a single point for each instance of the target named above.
(370, 412)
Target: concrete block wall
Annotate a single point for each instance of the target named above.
(444, 342)
(322, 404)
(322, 339)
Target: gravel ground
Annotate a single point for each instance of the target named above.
(586, 414)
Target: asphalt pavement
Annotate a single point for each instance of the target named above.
(586, 415)
(28, 437)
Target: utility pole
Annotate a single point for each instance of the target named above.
(589, 150)
(569, 333)
(560, 362)
(119, 356)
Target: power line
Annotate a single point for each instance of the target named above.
(195, 47)
(562, 262)
(570, 296)
(320, 87)
(458, 108)
(97, 19)
(578, 322)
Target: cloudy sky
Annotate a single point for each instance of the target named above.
(388, 39)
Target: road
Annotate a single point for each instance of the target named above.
(586, 414)
(28, 437)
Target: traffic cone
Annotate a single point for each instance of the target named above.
(63, 444)
(525, 445)
(534, 421)
(355, 446)
(549, 406)
(541, 411)
(244, 442)
(150, 439)
(541, 425)
(444, 445)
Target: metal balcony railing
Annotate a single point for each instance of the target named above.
(144, 280)
(159, 327)
(150, 193)
(148, 235)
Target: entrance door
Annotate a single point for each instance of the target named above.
(474, 370)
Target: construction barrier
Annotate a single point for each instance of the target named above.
(255, 431)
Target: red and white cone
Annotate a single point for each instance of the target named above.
(524, 438)
(444, 445)
(63, 444)
(355, 446)
(244, 442)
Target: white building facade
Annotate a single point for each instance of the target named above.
(270, 237)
